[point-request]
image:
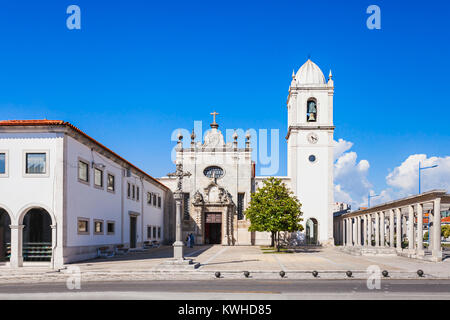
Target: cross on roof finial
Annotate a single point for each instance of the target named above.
(309, 56)
(214, 114)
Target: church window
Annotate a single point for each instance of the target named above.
(312, 158)
(154, 199)
(154, 232)
(186, 206)
(240, 208)
(129, 190)
(213, 172)
(311, 112)
(137, 193)
(159, 232)
(133, 192)
(159, 201)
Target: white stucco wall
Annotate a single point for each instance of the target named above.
(21, 192)
(86, 201)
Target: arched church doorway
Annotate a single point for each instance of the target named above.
(37, 236)
(311, 232)
(5, 236)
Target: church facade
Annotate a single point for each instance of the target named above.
(222, 176)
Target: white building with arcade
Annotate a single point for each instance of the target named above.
(64, 195)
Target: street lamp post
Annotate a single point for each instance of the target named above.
(368, 199)
(420, 191)
(423, 168)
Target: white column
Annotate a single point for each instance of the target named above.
(343, 232)
(382, 226)
(391, 228)
(399, 229)
(437, 249)
(404, 229)
(16, 259)
(347, 231)
(352, 232)
(358, 231)
(365, 231)
(377, 229)
(369, 230)
(420, 251)
(411, 229)
(178, 245)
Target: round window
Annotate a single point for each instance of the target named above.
(312, 158)
(213, 172)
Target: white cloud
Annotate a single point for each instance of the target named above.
(340, 147)
(352, 185)
(405, 178)
(350, 176)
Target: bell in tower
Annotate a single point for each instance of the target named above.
(312, 111)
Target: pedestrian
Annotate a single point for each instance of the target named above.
(192, 240)
(188, 240)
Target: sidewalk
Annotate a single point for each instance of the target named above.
(231, 262)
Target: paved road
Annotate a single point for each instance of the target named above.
(233, 289)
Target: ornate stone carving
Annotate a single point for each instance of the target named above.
(216, 194)
(198, 199)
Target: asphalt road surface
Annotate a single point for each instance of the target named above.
(222, 289)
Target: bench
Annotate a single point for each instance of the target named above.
(151, 244)
(104, 252)
(120, 249)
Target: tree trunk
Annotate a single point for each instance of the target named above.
(272, 244)
(278, 241)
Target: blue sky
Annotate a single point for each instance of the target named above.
(137, 70)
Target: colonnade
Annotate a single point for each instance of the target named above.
(395, 223)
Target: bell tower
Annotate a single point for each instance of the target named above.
(310, 149)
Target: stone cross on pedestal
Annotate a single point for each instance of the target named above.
(178, 195)
(179, 174)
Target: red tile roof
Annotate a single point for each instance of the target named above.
(31, 122)
(45, 122)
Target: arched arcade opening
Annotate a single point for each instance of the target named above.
(5, 236)
(37, 236)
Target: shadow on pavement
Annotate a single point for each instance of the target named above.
(163, 252)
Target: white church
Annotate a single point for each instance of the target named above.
(64, 195)
(222, 176)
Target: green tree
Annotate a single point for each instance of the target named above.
(274, 208)
(445, 231)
